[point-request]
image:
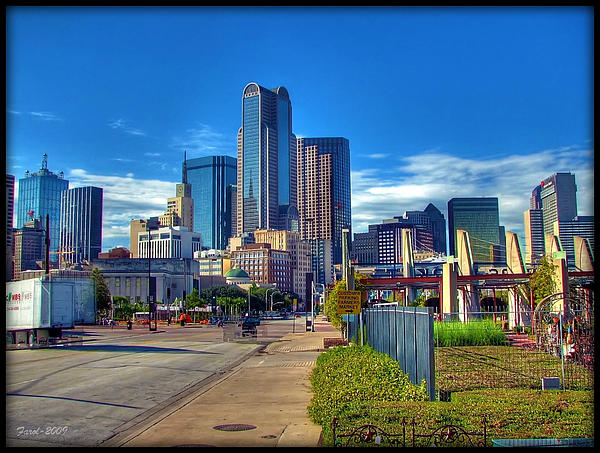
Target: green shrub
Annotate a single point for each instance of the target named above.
(473, 333)
(346, 377)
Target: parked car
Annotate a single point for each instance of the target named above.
(249, 322)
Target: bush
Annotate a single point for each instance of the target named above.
(344, 378)
(473, 333)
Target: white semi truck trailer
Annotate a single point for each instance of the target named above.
(39, 308)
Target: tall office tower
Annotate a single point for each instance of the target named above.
(432, 218)
(559, 199)
(300, 253)
(80, 224)
(480, 218)
(324, 190)
(534, 235)
(10, 201)
(582, 226)
(232, 204)
(364, 247)
(322, 261)
(389, 239)
(180, 209)
(535, 202)
(210, 178)
(266, 172)
(39, 195)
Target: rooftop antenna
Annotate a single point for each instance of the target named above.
(184, 175)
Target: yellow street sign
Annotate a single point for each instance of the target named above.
(349, 302)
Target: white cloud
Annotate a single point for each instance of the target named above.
(123, 125)
(378, 155)
(46, 116)
(124, 198)
(204, 140)
(435, 177)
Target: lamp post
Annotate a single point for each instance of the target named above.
(150, 311)
(249, 289)
(266, 295)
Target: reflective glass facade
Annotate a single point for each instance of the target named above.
(81, 224)
(480, 218)
(211, 178)
(39, 193)
(266, 157)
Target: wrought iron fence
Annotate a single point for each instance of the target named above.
(447, 435)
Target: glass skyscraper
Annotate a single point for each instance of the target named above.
(266, 175)
(39, 195)
(211, 179)
(480, 218)
(81, 224)
(324, 190)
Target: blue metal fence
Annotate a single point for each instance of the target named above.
(403, 333)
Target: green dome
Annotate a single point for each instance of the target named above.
(236, 272)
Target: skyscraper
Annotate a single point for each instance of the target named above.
(534, 235)
(266, 165)
(324, 190)
(81, 224)
(10, 201)
(553, 200)
(39, 195)
(480, 218)
(180, 208)
(211, 178)
(582, 226)
(559, 199)
(432, 218)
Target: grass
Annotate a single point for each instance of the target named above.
(503, 367)
(510, 414)
(473, 333)
(484, 381)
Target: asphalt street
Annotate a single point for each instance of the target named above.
(83, 392)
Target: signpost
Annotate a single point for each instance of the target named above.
(349, 302)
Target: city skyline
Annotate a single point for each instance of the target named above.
(437, 103)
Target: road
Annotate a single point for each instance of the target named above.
(80, 394)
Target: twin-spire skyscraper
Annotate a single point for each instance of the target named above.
(266, 175)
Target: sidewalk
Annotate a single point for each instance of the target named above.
(261, 402)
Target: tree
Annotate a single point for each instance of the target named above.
(193, 300)
(124, 309)
(103, 302)
(541, 281)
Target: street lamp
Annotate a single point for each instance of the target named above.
(150, 305)
(266, 295)
(249, 289)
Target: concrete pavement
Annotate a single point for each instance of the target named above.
(260, 402)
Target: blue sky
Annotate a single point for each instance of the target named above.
(436, 102)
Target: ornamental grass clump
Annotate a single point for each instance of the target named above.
(347, 377)
(477, 332)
